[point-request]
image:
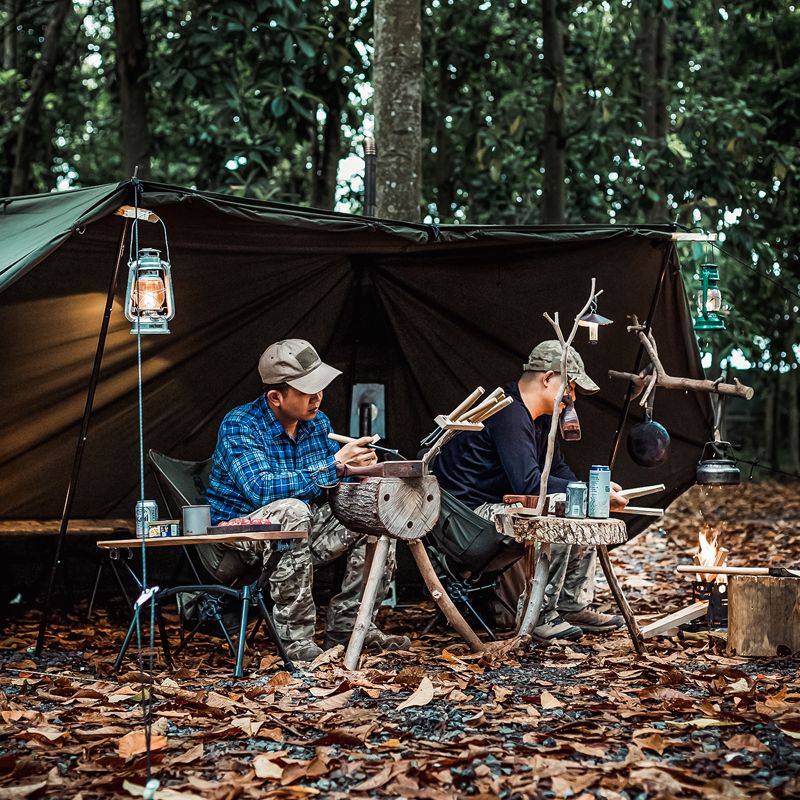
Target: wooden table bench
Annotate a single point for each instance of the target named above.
(538, 533)
(247, 595)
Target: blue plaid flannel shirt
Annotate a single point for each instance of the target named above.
(257, 462)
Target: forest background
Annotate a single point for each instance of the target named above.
(604, 113)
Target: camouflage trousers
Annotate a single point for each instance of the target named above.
(570, 582)
(290, 583)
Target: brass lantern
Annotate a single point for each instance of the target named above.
(149, 301)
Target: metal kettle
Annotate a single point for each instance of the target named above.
(720, 469)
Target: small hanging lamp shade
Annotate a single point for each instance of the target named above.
(592, 320)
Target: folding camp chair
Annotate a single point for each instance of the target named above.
(470, 556)
(183, 483)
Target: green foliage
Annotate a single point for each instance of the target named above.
(240, 92)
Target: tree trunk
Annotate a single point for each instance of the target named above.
(131, 72)
(397, 77)
(554, 148)
(325, 154)
(769, 417)
(29, 133)
(777, 427)
(10, 35)
(655, 64)
(793, 404)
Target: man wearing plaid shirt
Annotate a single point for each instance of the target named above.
(274, 459)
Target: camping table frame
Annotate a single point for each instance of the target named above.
(538, 533)
(248, 595)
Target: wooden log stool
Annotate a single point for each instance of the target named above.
(393, 508)
(538, 533)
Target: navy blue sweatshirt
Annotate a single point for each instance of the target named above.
(506, 457)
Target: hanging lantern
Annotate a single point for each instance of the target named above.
(150, 304)
(709, 300)
(592, 320)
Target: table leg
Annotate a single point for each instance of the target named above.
(238, 671)
(367, 605)
(441, 599)
(126, 641)
(536, 587)
(622, 601)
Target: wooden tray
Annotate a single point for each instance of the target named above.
(217, 529)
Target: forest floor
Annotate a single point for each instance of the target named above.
(587, 720)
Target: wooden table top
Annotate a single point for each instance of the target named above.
(208, 538)
(524, 526)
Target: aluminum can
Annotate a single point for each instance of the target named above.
(576, 499)
(146, 512)
(599, 492)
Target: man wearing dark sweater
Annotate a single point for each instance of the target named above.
(507, 457)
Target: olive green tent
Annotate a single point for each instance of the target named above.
(430, 312)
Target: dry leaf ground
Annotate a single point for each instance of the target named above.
(589, 720)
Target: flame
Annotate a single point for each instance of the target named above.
(709, 553)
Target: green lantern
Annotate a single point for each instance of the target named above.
(709, 300)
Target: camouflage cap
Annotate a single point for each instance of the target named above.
(547, 356)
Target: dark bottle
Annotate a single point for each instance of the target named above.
(569, 423)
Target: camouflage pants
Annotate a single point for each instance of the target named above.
(290, 583)
(570, 582)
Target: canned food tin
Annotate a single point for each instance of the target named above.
(576, 499)
(146, 512)
(164, 527)
(599, 492)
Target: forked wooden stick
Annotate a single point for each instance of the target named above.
(646, 381)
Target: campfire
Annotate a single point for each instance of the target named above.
(709, 553)
(709, 587)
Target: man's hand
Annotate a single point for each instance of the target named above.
(617, 500)
(356, 454)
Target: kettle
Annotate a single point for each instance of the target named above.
(648, 442)
(720, 469)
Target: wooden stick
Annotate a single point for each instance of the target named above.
(493, 398)
(542, 557)
(367, 606)
(441, 598)
(490, 412)
(465, 404)
(565, 344)
(685, 569)
(676, 618)
(619, 596)
(641, 491)
(644, 380)
(642, 511)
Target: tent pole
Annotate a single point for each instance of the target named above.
(638, 363)
(76, 463)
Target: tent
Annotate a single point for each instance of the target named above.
(429, 312)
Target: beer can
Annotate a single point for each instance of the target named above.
(599, 492)
(146, 512)
(576, 499)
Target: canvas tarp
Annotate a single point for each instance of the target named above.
(428, 312)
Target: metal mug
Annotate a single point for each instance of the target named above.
(196, 520)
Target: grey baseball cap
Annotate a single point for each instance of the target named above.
(547, 356)
(296, 362)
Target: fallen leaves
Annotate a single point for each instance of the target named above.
(135, 743)
(421, 697)
(588, 720)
